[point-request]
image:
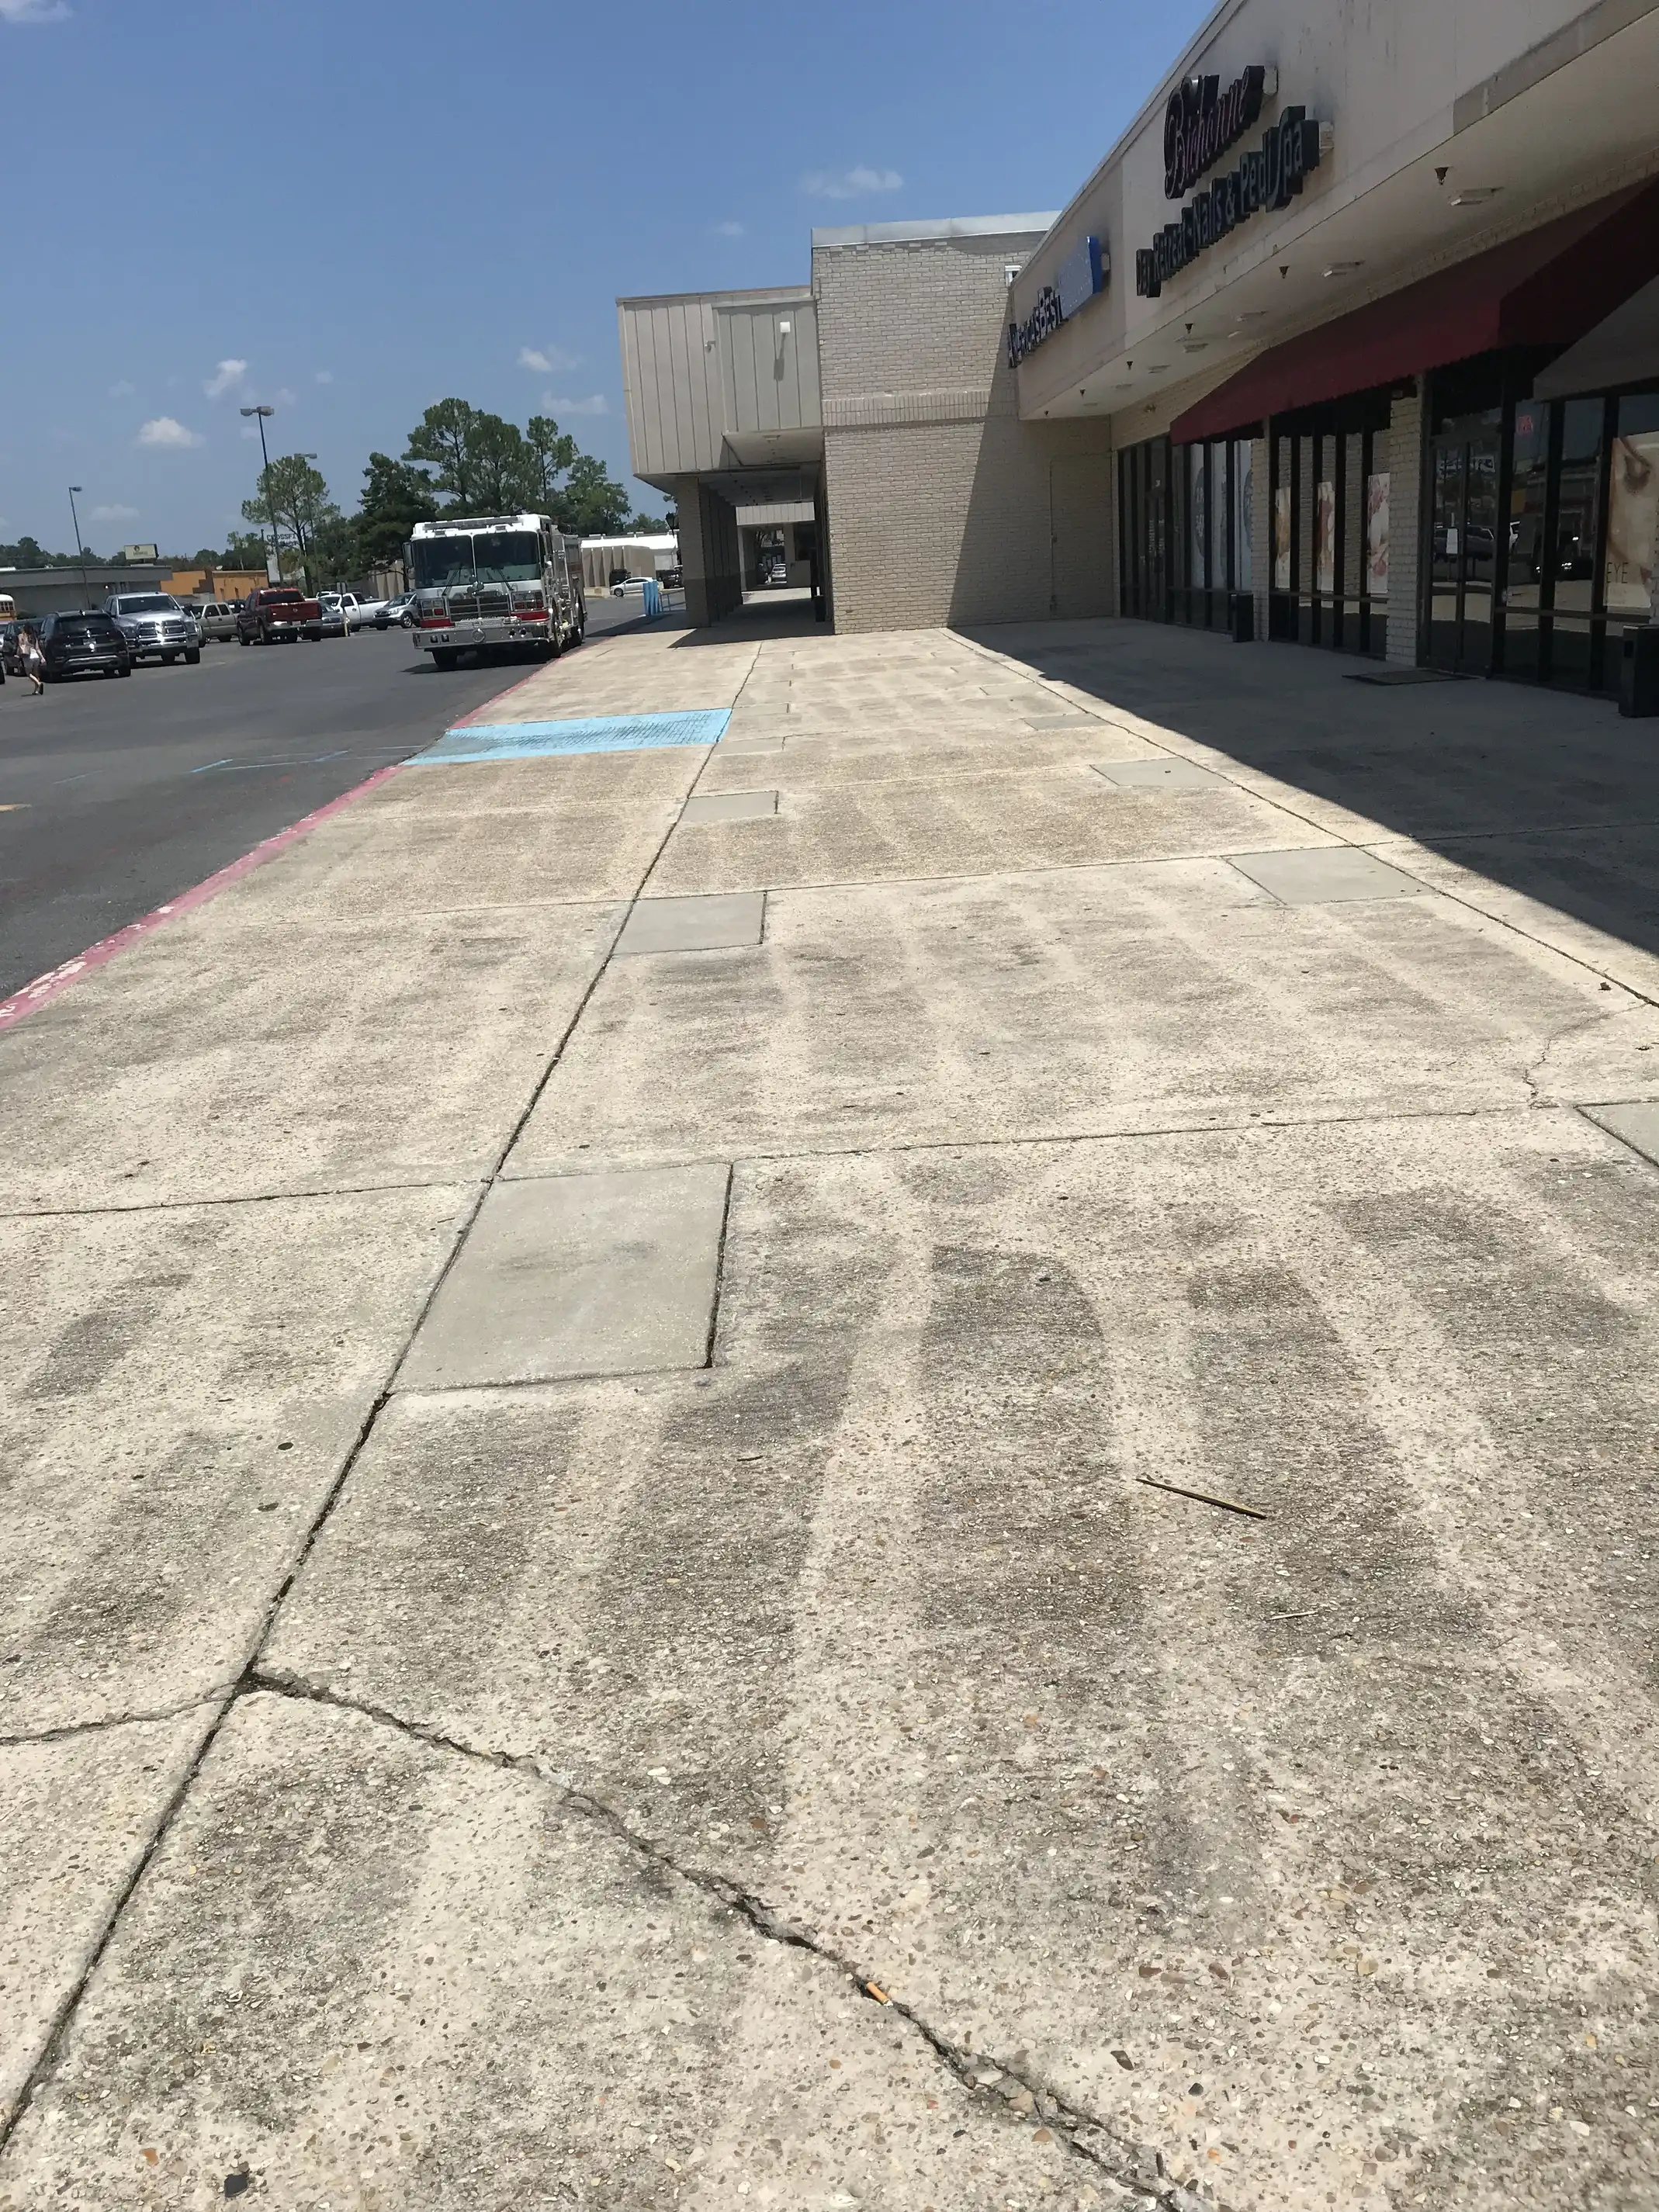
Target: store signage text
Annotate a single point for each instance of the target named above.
(1202, 123)
(1270, 177)
(1078, 277)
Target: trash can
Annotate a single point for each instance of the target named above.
(1638, 671)
(1240, 617)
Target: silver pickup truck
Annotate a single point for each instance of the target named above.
(155, 627)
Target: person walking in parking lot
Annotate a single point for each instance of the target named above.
(34, 661)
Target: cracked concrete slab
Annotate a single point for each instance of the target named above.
(1337, 1825)
(1086, 1001)
(79, 1816)
(1004, 819)
(179, 1391)
(716, 923)
(229, 1056)
(584, 1274)
(513, 2007)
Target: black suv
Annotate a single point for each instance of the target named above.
(84, 645)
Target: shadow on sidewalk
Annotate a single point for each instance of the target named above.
(1550, 793)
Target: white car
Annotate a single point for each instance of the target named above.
(369, 614)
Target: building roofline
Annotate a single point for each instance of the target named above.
(785, 292)
(1213, 24)
(953, 226)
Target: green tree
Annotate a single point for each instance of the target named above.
(554, 452)
(298, 497)
(590, 501)
(443, 440)
(396, 496)
(647, 526)
(503, 466)
(243, 549)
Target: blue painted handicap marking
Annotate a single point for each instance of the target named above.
(603, 733)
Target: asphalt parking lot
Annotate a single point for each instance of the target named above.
(115, 797)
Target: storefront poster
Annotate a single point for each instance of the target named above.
(1282, 538)
(1325, 539)
(1633, 524)
(1377, 535)
(1244, 484)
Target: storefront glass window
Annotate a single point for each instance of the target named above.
(1529, 571)
(1242, 475)
(1325, 534)
(1197, 517)
(1220, 509)
(1577, 525)
(1376, 534)
(1633, 509)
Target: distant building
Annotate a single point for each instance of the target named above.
(212, 583)
(53, 591)
(634, 556)
(1350, 341)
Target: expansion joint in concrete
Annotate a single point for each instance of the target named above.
(1137, 2171)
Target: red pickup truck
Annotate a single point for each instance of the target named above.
(282, 612)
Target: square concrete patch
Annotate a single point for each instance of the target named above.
(1157, 774)
(1638, 1124)
(709, 922)
(730, 806)
(605, 1274)
(1322, 875)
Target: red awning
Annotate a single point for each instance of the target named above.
(1545, 288)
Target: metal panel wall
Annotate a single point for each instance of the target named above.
(768, 359)
(671, 377)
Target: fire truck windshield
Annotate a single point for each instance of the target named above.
(493, 557)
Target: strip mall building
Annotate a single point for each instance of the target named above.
(1352, 340)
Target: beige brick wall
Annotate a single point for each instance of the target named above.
(1405, 512)
(943, 506)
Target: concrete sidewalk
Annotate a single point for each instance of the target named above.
(905, 1464)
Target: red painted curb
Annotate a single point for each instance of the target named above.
(45, 988)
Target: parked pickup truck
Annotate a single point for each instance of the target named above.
(277, 614)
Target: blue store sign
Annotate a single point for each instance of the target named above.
(1078, 277)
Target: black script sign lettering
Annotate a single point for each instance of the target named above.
(1202, 123)
(1269, 176)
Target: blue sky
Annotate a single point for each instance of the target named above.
(350, 211)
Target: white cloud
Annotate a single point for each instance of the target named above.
(113, 514)
(33, 11)
(545, 359)
(595, 403)
(123, 390)
(728, 230)
(230, 375)
(326, 376)
(164, 431)
(849, 183)
(285, 398)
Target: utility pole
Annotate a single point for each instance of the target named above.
(274, 570)
(80, 550)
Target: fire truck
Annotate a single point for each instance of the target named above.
(484, 583)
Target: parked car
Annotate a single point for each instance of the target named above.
(215, 619)
(155, 627)
(276, 615)
(336, 612)
(84, 644)
(11, 648)
(372, 611)
(397, 611)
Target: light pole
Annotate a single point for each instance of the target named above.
(80, 550)
(275, 571)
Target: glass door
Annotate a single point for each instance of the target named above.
(1464, 555)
